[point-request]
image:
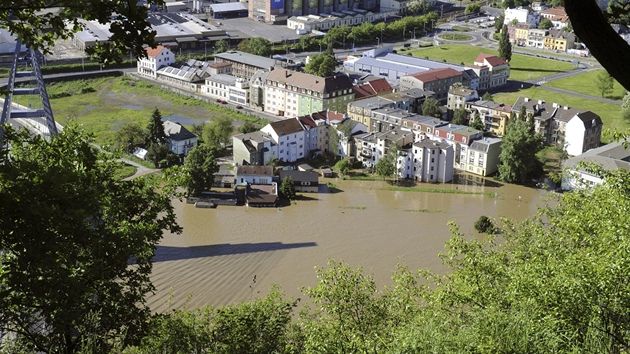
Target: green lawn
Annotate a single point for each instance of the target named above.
(585, 83)
(610, 113)
(102, 106)
(523, 67)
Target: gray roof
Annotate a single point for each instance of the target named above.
(223, 78)
(427, 143)
(483, 145)
(610, 157)
(176, 131)
(229, 6)
(248, 59)
(300, 176)
(373, 102)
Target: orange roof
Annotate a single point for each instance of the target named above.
(492, 60)
(154, 52)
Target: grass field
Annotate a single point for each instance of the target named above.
(585, 83)
(522, 67)
(102, 106)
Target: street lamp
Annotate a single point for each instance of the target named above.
(381, 34)
(378, 42)
(414, 32)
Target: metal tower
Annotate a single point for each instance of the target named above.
(42, 119)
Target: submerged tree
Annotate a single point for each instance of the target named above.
(200, 166)
(518, 153)
(77, 244)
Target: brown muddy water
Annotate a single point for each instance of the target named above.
(235, 253)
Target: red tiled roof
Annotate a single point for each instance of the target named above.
(154, 52)
(492, 60)
(335, 116)
(380, 85)
(220, 65)
(308, 121)
(556, 11)
(436, 74)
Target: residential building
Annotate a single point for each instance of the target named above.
(583, 131)
(521, 15)
(536, 38)
(609, 157)
(156, 59)
(303, 181)
(288, 135)
(361, 111)
(315, 133)
(250, 174)
(495, 116)
(255, 148)
(559, 40)
(458, 96)
(557, 15)
(521, 33)
(228, 88)
(244, 65)
(372, 88)
(180, 139)
(438, 80)
(345, 130)
(220, 68)
(257, 90)
(498, 68)
(460, 137)
(293, 94)
(432, 161)
(483, 156)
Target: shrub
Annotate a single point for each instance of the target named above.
(484, 225)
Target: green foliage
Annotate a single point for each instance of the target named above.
(256, 45)
(418, 7)
(131, 136)
(625, 107)
(221, 46)
(487, 96)
(333, 141)
(287, 188)
(343, 166)
(477, 122)
(498, 23)
(604, 83)
(218, 133)
(156, 134)
(505, 47)
(77, 244)
(248, 127)
(460, 116)
(160, 155)
(472, 8)
(484, 225)
(518, 153)
(200, 166)
(431, 108)
(321, 65)
(545, 23)
(386, 165)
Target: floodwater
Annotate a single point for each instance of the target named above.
(235, 253)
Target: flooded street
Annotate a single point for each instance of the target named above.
(232, 254)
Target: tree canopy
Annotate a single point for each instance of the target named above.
(431, 108)
(322, 64)
(200, 166)
(545, 23)
(256, 45)
(518, 153)
(39, 23)
(625, 107)
(77, 244)
(505, 47)
(218, 133)
(604, 83)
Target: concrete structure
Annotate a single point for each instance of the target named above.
(536, 38)
(609, 157)
(494, 115)
(255, 148)
(438, 81)
(156, 59)
(228, 88)
(483, 156)
(458, 96)
(521, 15)
(229, 10)
(180, 140)
(498, 69)
(288, 136)
(293, 94)
(244, 65)
(220, 68)
(559, 40)
(188, 75)
(323, 22)
(521, 33)
(276, 11)
(372, 88)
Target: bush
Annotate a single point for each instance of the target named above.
(484, 225)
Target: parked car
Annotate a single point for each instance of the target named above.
(239, 107)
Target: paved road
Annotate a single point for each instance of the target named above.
(140, 170)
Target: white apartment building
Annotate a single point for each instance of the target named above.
(432, 161)
(289, 136)
(156, 58)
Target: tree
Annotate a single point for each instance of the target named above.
(40, 23)
(321, 65)
(287, 188)
(386, 165)
(472, 8)
(505, 47)
(333, 141)
(218, 133)
(498, 23)
(487, 96)
(518, 153)
(460, 116)
(625, 107)
(77, 244)
(130, 136)
(200, 166)
(604, 83)
(256, 45)
(484, 225)
(477, 122)
(221, 46)
(343, 166)
(156, 134)
(431, 108)
(248, 127)
(545, 23)
(197, 129)
(160, 155)
(418, 7)
(305, 42)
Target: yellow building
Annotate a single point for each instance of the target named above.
(559, 40)
(521, 33)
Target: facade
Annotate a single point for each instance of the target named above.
(156, 59)
(244, 65)
(288, 135)
(582, 132)
(536, 38)
(323, 22)
(276, 11)
(257, 90)
(220, 68)
(293, 94)
(255, 148)
(254, 175)
(372, 88)
(559, 40)
(498, 68)
(227, 87)
(495, 116)
(521, 33)
(521, 15)
(483, 156)
(458, 96)
(439, 81)
(557, 15)
(180, 140)
(432, 161)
